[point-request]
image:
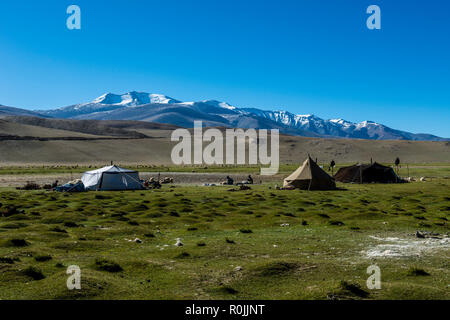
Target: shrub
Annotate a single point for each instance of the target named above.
(353, 288)
(228, 290)
(58, 229)
(335, 223)
(289, 214)
(71, 224)
(174, 214)
(183, 255)
(277, 268)
(109, 266)
(6, 260)
(413, 271)
(42, 258)
(18, 243)
(9, 210)
(34, 273)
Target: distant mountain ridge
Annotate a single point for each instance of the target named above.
(8, 111)
(141, 106)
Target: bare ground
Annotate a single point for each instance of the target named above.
(179, 178)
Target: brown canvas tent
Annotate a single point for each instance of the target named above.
(310, 176)
(367, 173)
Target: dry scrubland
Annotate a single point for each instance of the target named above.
(157, 151)
(33, 141)
(256, 244)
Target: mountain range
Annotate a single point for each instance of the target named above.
(140, 106)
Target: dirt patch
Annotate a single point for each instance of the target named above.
(178, 177)
(396, 247)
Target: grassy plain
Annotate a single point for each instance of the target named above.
(438, 170)
(256, 244)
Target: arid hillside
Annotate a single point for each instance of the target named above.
(35, 141)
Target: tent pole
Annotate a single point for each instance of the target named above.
(130, 177)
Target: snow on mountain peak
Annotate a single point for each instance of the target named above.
(367, 123)
(341, 122)
(216, 103)
(133, 99)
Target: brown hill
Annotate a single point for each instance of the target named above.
(135, 142)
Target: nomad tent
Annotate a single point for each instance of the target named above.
(310, 177)
(367, 173)
(111, 178)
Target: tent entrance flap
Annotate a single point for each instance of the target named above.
(119, 181)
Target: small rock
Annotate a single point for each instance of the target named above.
(238, 268)
(137, 240)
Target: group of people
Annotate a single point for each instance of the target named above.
(230, 181)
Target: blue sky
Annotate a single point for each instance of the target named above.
(302, 56)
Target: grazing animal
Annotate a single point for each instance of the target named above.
(166, 180)
(420, 235)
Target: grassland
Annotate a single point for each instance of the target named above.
(256, 244)
(434, 170)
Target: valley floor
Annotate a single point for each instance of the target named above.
(16, 176)
(256, 244)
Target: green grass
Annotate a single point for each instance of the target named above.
(436, 170)
(235, 246)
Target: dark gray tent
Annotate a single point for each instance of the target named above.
(310, 176)
(367, 173)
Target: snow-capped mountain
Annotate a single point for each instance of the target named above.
(108, 102)
(132, 99)
(163, 109)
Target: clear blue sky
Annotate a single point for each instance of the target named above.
(302, 56)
